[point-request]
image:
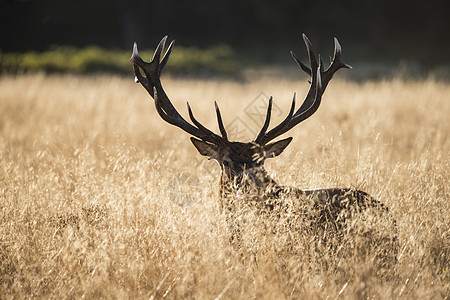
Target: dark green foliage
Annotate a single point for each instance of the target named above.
(397, 30)
(219, 59)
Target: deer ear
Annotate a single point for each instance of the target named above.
(275, 149)
(206, 149)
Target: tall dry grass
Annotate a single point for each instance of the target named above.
(101, 199)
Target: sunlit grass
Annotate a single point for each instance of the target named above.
(100, 198)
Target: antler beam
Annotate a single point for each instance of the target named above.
(152, 83)
(319, 82)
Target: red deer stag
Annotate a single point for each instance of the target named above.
(242, 164)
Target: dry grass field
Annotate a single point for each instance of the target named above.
(100, 198)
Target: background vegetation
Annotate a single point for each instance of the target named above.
(93, 59)
(375, 33)
(101, 199)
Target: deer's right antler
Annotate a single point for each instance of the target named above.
(152, 83)
(319, 82)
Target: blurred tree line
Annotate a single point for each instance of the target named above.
(382, 29)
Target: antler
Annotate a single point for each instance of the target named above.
(152, 83)
(319, 82)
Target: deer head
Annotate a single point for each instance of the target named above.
(238, 161)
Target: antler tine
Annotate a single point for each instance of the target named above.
(337, 57)
(263, 130)
(219, 120)
(205, 130)
(311, 55)
(136, 58)
(166, 56)
(159, 49)
(301, 65)
(148, 69)
(137, 61)
(315, 64)
(335, 65)
(152, 83)
(275, 131)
